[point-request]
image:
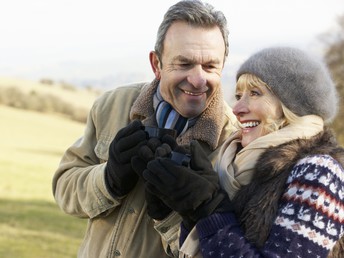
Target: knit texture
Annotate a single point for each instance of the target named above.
(308, 223)
(167, 117)
(301, 82)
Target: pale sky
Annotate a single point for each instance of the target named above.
(79, 40)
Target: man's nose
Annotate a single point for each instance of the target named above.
(197, 77)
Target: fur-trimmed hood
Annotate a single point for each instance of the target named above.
(256, 204)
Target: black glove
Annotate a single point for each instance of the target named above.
(120, 177)
(145, 154)
(152, 149)
(192, 192)
(156, 209)
(170, 149)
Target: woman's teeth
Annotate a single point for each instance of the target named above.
(250, 124)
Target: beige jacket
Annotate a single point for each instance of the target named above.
(122, 227)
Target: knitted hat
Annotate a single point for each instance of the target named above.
(302, 83)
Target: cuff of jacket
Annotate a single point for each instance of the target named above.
(211, 224)
(168, 228)
(105, 199)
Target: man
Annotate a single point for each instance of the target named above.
(96, 179)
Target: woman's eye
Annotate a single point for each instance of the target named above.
(255, 93)
(237, 96)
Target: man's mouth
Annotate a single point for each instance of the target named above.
(192, 93)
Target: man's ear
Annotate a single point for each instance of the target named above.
(155, 64)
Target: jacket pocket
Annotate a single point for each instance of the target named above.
(102, 148)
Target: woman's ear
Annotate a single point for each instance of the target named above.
(155, 64)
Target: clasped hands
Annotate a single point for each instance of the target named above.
(192, 191)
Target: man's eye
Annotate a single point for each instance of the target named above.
(184, 64)
(210, 67)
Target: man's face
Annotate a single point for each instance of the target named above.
(190, 67)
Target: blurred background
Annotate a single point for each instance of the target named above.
(57, 57)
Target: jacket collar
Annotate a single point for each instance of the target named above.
(207, 128)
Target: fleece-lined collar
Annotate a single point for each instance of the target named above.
(207, 128)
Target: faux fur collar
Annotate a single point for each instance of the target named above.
(256, 204)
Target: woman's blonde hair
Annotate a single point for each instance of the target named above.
(250, 81)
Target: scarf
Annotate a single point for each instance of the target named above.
(167, 117)
(236, 169)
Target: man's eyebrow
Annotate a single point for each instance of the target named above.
(182, 58)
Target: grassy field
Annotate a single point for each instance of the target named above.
(84, 96)
(31, 224)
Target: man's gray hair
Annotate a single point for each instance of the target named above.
(196, 13)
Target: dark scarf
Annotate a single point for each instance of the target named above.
(256, 204)
(168, 117)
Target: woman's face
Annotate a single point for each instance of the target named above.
(255, 108)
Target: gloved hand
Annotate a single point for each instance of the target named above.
(120, 177)
(170, 149)
(156, 208)
(192, 192)
(145, 154)
(152, 149)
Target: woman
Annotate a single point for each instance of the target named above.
(283, 171)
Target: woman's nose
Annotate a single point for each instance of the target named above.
(240, 107)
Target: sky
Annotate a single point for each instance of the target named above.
(107, 42)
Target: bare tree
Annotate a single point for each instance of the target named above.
(334, 57)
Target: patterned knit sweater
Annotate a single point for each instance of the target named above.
(308, 221)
